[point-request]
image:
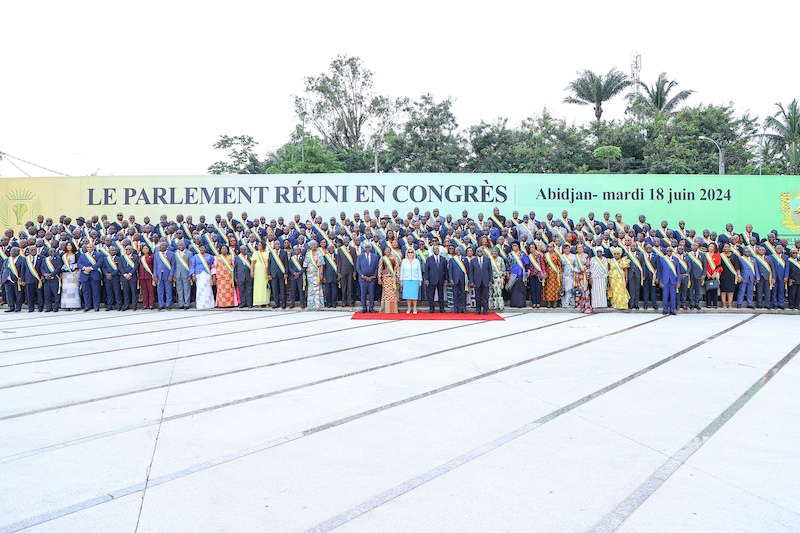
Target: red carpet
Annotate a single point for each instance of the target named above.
(424, 315)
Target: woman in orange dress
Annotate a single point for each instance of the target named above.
(552, 282)
(388, 277)
(222, 277)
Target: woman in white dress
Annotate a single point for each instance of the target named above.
(70, 292)
(201, 273)
(568, 268)
(599, 268)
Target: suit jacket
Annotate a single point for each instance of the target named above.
(274, 269)
(696, 272)
(749, 275)
(125, 268)
(436, 271)
(180, 272)
(27, 276)
(779, 272)
(241, 268)
(293, 269)
(367, 266)
(83, 261)
(346, 268)
(106, 268)
(480, 275)
(7, 274)
(664, 272)
(160, 270)
(57, 264)
(456, 275)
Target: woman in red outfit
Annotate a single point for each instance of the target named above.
(713, 270)
(146, 277)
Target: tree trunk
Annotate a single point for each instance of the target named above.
(598, 110)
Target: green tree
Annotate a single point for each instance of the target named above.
(607, 153)
(785, 125)
(594, 89)
(428, 141)
(341, 104)
(243, 159)
(677, 148)
(656, 98)
(288, 159)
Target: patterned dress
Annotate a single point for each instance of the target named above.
(619, 291)
(552, 284)
(313, 264)
(583, 298)
(599, 267)
(568, 268)
(498, 281)
(223, 279)
(389, 277)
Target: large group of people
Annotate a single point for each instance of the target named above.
(456, 264)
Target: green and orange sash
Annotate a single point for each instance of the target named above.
(181, 261)
(347, 254)
(762, 261)
(729, 266)
(32, 269)
(162, 256)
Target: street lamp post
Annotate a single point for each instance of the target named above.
(303, 133)
(721, 154)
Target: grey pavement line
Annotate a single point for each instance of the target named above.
(227, 373)
(155, 443)
(156, 361)
(629, 505)
(264, 395)
(434, 473)
(161, 330)
(58, 325)
(298, 435)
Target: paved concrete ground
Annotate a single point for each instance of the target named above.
(229, 421)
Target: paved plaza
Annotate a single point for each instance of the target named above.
(264, 421)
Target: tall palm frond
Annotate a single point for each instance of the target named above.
(594, 89)
(786, 127)
(656, 98)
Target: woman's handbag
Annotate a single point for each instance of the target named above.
(712, 284)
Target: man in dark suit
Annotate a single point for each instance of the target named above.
(650, 265)
(458, 279)
(668, 274)
(697, 275)
(89, 277)
(435, 278)
(12, 277)
(367, 270)
(345, 261)
(278, 273)
(480, 277)
(243, 277)
(296, 277)
(110, 270)
(128, 265)
(163, 272)
(51, 279)
(635, 275)
(793, 280)
(33, 280)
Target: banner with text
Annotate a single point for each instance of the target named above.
(703, 201)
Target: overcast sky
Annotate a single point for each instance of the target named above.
(146, 88)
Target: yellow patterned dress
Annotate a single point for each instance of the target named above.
(616, 280)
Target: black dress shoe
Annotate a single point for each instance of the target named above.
(9, 310)
(486, 312)
(48, 310)
(85, 310)
(109, 308)
(97, 310)
(672, 312)
(665, 313)
(30, 310)
(430, 311)
(477, 312)
(55, 310)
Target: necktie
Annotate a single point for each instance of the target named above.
(480, 262)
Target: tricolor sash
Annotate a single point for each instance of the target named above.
(210, 244)
(770, 247)
(3, 254)
(762, 261)
(276, 256)
(780, 260)
(32, 269)
(685, 266)
(91, 258)
(194, 247)
(696, 260)
(551, 263)
(149, 242)
(497, 222)
(599, 262)
(495, 267)
(619, 269)
(181, 261)
(147, 267)
(50, 266)
(377, 248)
(244, 260)
(12, 264)
(794, 262)
(683, 234)
(649, 264)
(535, 263)
(296, 263)
(162, 256)
(671, 265)
(112, 263)
(129, 261)
(518, 260)
(729, 266)
(228, 264)
(332, 263)
(662, 233)
(749, 263)
(347, 254)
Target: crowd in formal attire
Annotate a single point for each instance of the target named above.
(456, 264)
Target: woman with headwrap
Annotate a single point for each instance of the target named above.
(568, 271)
(618, 279)
(583, 299)
(388, 275)
(313, 264)
(537, 271)
(498, 281)
(552, 282)
(599, 273)
(518, 264)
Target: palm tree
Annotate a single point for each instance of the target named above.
(592, 89)
(656, 98)
(786, 125)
